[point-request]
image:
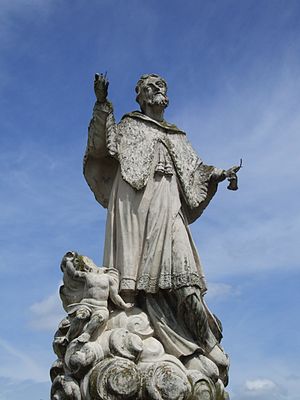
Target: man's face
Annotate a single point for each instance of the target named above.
(154, 92)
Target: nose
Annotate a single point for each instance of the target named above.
(158, 89)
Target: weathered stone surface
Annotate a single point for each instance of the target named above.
(64, 387)
(115, 378)
(123, 359)
(139, 328)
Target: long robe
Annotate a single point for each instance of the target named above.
(153, 184)
(147, 238)
(159, 185)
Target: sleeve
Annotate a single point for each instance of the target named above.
(101, 124)
(99, 164)
(201, 190)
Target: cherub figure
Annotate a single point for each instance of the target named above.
(91, 313)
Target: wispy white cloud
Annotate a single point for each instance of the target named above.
(18, 365)
(257, 385)
(47, 313)
(258, 226)
(11, 389)
(255, 245)
(262, 377)
(44, 211)
(220, 291)
(260, 389)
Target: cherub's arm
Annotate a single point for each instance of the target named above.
(68, 268)
(115, 297)
(73, 273)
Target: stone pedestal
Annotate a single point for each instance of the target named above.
(120, 358)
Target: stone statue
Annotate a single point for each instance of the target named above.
(165, 344)
(90, 314)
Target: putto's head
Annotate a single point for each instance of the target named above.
(151, 89)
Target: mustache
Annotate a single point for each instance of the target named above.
(160, 99)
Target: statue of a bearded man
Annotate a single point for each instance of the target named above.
(153, 184)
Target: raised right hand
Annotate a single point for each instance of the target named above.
(101, 87)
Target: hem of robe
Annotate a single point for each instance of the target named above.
(166, 281)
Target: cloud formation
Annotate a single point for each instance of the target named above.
(18, 365)
(250, 227)
(258, 385)
(220, 291)
(47, 313)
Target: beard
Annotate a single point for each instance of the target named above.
(158, 99)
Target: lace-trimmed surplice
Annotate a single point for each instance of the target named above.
(147, 237)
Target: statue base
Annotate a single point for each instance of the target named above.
(115, 355)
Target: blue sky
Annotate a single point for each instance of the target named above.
(233, 74)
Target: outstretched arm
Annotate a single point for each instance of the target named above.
(220, 175)
(115, 297)
(73, 273)
(70, 265)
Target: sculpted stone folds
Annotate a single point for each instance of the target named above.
(165, 343)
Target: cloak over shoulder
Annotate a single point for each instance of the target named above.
(131, 144)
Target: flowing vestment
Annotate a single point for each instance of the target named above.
(153, 184)
(147, 238)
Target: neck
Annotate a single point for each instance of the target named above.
(155, 112)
